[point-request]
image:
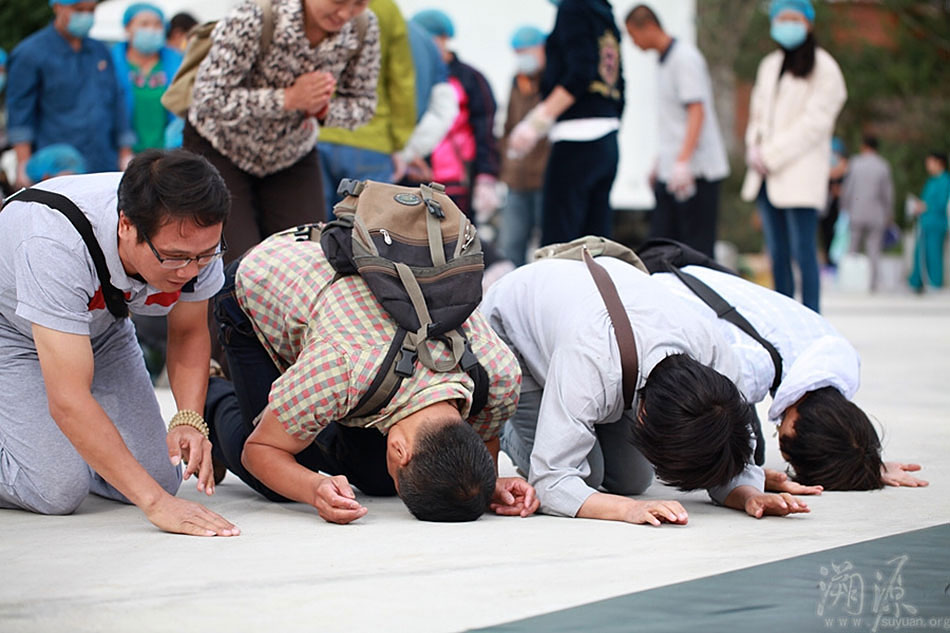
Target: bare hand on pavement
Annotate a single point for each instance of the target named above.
(336, 502)
(777, 481)
(656, 512)
(514, 496)
(776, 504)
(181, 516)
(895, 474)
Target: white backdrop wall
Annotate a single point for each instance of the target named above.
(483, 31)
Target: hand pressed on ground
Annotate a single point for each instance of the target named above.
(181, 516)
(777, 481)
(895, 474)
(514, 496)
(335, 501)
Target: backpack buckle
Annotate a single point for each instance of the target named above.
(432, 205)
(468, 360)
(435, 208)
(305, 232)
(406, 365)
(350, 187)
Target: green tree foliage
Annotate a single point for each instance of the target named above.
(20, 18)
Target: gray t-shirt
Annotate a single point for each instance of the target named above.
(684, 79)
(47, 275)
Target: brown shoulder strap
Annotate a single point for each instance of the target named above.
(622, 328)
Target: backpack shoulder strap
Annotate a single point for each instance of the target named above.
(362, 26)
(114, 298)
(470, 365)
(267, 26)
(388, 378)
(727, 311)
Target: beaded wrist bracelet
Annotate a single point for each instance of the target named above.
(189, 418)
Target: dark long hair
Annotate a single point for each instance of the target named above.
(801, 61)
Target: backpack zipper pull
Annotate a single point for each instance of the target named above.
(469, 237)
(386, 236)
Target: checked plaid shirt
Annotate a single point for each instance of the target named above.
(329, 347)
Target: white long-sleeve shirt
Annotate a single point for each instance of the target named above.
(814, 354)
(552, 315)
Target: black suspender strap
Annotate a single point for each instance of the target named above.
(114, 298)
(623, 331)
(725, 310)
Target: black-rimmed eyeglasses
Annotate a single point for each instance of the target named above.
(174, 263)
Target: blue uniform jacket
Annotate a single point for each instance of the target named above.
(58, 95)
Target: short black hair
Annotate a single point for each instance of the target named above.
(939, 155)
(451, 476)
(693, 425)
(834, 444)
(160, 186)
(870, 141)
(183, 22)
(641, 15)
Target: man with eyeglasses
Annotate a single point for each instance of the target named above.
(77, 409)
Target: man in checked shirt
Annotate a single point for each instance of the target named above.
(303, 350)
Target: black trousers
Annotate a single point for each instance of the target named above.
(577, 182)
(692, 221)
(231, 407)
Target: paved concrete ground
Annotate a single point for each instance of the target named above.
(106, 569)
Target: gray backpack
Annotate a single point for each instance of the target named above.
(422, 259)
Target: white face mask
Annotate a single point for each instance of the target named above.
(527, 64)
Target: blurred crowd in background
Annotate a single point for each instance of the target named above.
(285, 114)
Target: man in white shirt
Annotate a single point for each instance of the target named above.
(571, 433)
(692, 159)
(828, 440)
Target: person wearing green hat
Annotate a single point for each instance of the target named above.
(799, 91)
(62, 89)
(144, 67)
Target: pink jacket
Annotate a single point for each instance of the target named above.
(451, 157)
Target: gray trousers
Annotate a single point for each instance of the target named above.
(40, 469)
(615, 463)
(873, 237)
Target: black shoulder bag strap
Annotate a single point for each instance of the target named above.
(623, 331)
(725, 310)
(114, 298)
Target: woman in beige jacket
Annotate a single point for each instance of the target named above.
(799, 91)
